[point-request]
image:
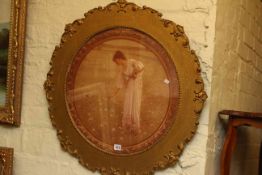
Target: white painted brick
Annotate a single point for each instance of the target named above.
(259, 64)
(252, 56)
(10, 137)
(252, 25)
(170, 171)
(35, 92)
(234, 40)
(249, 39)
(257, 90)
(250, 71)
(256, 30)
(243, 3)
(240, 31)
(257, 75)
(38, 10)
(26, 164)
(258, 47)
(259, 17)
(243, 68)
(4, 137)
(197, 6)
(45, 145)
(251, 6)
(256, 63)
(246, 86)
(244, 19)
(34, 117)
(243, 50)
(260, 34)
(245, 83)
(34, 66)
(77, 169)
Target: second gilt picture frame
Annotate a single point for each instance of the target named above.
(12, 42)
(6, 161)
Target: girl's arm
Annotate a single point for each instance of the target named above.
(137, 70)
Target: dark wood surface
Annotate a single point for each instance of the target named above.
(241, 114)
(236, 119)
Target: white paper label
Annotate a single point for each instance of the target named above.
(117, 147)
(166, 81)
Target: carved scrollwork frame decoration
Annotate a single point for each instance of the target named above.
(10, 112)
(171, 37)
(6, 161)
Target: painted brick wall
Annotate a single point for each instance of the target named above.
(236, 80)
(37, 150)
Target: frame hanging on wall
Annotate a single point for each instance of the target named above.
(124, 90)
(6, 161)
(12, 38)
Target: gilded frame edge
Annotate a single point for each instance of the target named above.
(6, 156)
(200, 95)
(12, 110)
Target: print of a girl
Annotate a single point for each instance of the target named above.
(129, 78)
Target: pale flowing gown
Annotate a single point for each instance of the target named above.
(133, 94)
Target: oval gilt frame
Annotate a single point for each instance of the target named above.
(192, 96)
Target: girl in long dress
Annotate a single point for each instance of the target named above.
(130, 79)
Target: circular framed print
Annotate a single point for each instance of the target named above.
(124, 97)
(122, 89)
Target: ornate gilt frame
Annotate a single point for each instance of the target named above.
(10, 113)
(6, 157)
(192, 95)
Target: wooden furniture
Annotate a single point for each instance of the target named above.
(236, 119)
